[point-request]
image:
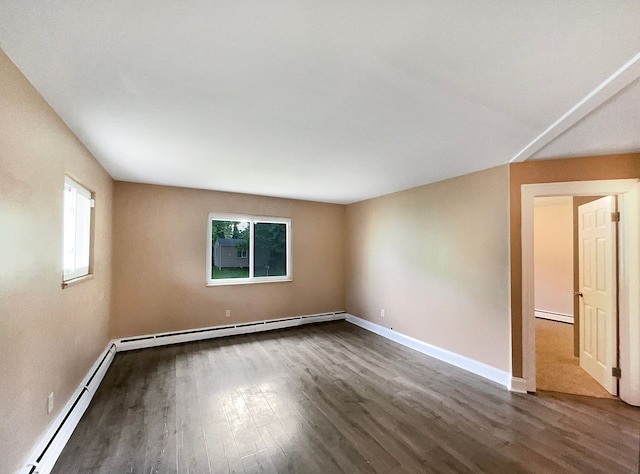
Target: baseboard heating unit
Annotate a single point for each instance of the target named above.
(550, 315)
(46, 452)
(191, 335)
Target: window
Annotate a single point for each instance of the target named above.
(77, 230)
(248, 249)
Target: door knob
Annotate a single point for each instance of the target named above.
(578, 294)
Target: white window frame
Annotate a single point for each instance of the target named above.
(76, 239)
(252, 221)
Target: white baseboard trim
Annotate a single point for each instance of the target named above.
(192, 335)
(45, 453)
(463, 362)
(561, 317)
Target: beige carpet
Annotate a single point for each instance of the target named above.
(557, 369)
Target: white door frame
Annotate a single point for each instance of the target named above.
(628, 268)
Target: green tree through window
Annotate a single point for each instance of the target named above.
(270, 246)
(246, 249)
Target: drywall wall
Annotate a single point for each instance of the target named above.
(553, 255)
(436, 259)
(551, 171)
(49, 337)
(160, 249)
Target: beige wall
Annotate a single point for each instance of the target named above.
(160, 243)
(551, 171)
(553, 254)
(49, 337)
(436, 258)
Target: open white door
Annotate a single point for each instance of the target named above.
(598, 311)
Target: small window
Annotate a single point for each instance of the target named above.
(248, 249)
(77, 230)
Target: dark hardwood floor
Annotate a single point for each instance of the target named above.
(334, 398)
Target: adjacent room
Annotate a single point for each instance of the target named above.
(333, 237)
(557, 261)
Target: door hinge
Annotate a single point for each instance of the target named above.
(616, 372)
(615, 217)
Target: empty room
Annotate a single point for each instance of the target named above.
(386, 237)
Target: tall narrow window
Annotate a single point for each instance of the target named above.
(77, 230)
(248, 249)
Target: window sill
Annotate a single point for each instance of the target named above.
(75, 281)
(247, 282)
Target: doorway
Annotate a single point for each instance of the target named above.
(557, 309)
(628, 192)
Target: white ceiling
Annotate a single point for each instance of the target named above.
(334, 101)
(614, 127)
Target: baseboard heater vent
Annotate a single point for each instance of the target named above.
(45, 454)
(561, 317)
(191, 335)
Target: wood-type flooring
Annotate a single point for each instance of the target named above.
(333, 398)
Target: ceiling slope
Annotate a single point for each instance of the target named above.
(331, 101)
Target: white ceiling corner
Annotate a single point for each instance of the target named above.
(611, 128)
(625, 84)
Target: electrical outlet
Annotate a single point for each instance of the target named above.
(50, 403)
(227, 313)
(382, 313)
